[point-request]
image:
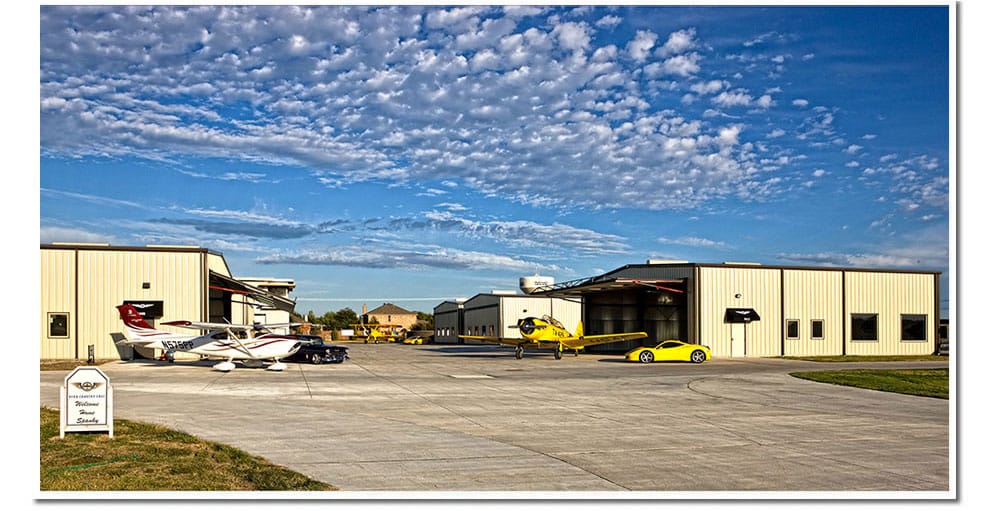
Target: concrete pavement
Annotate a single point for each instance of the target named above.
(473, 418)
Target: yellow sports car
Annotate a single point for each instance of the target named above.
(670, 350)
(413, 340)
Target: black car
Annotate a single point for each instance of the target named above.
(314, 350)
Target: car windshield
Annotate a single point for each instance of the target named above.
(670, 344)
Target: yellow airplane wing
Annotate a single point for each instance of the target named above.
(592, 340)
(501, 340)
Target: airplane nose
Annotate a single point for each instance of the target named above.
(527, 326)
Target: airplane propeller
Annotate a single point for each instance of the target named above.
(527, 326)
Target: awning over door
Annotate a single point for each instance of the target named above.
(222, 282)
(741, 315)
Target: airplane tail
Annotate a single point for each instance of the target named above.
(137, 329)
(579, 329)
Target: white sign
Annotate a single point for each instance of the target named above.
(86, 402)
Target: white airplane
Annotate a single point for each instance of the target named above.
(220, 342)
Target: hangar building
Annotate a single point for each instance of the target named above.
(496, 314)
(82, 283)
(737, 309)
(753, 310)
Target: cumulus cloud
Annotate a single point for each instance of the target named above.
(502, 100)
(639, 47)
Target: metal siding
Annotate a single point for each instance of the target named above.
(760, 289)
(890, 295)
(107, 278)
(485, 312)
(813, 295)
(58, 294)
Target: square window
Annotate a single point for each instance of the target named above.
(817, 329)
(59, 325)
(792, 329)
(864, 327)
(914, 327)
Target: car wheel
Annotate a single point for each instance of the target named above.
(697, 356)
(315, 358)
(646, 357)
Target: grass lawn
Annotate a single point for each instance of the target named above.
(144, 457)
(883, 358)
(918, 382)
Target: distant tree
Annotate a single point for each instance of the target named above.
(424, 321)
(339, 320)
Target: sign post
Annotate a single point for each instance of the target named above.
(86, 402)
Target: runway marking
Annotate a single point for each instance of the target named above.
(472, 376)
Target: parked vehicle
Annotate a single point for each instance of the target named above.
(670, 350)
(314, 350)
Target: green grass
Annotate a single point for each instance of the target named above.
(917, 382)
(883, 358)
(145, 457)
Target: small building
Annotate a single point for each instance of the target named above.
(82, 283)
(753, 310)
(495, 314)
(448, 321)
(389, 314)
(269, 313)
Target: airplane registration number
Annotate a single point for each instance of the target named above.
(178, 345)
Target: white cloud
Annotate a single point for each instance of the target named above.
(733, 98)
(692, 241)
(573, 35)
(800, 102)
(639, 47)
(680, 41)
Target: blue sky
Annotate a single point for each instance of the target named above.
(412, 154)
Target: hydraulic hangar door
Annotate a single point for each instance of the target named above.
(661, 314)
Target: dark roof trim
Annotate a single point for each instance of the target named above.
(768, 267)
(601, 283)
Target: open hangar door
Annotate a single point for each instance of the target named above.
(657, 307)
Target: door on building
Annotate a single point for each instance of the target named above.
(738, 338)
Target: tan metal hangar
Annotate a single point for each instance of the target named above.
(753, 310)
(82, 283)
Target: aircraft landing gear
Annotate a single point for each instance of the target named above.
(518, 352)
(558, 354)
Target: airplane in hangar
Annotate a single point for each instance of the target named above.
(221, 341)
(548, 333)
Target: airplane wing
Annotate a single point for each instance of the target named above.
(513, 341)
(207, 326)
(592, 340)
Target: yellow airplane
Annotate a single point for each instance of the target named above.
(546, 332)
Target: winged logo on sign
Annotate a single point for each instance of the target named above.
(87, 386)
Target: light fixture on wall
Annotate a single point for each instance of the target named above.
(738, 296)
(145, 285)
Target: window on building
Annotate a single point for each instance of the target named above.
(58, 325)
(914, 327)
(792, 329)
(864, 327)
(817, 329)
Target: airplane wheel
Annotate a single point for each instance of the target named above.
(518, 353)
(558, 355)
(698, 356)
(646, 357)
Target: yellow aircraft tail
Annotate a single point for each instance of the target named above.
(579, 329)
